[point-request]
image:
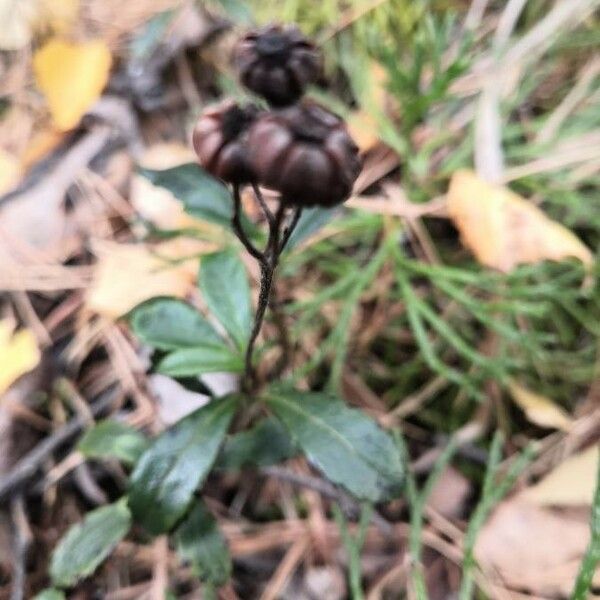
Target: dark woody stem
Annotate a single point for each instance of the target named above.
(238, 228)
(258, 195)
(268, 260)
(287, 234)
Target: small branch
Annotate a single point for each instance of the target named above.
(27, 467)
(261, 200)
(287, 234)
(347, 503)
(238, 228)
(23, 539)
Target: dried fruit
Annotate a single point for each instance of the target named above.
(220, 141)
(306, 154)
(277, 62)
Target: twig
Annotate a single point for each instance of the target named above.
(33, 460)
(575, 96)
(261, 200)
(346, 502)
(287, 234)
(160, 572)
(285, 569)
(23, 539)
(238, 228)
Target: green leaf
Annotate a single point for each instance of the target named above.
(88, 543)
(310, 222)
(237, 10)
(267, 443)
(345, 444)
(167, 474)
(50, 594)
(111, 439)
(170, 324)
(202, 195)
(150, 35)
(196, 361)
(200, 542)
(225, 288)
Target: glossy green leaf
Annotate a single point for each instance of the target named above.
(200, 542)
(267, 443)
(202, 195)
(310, 222)
(225, 289)
(112, 439)
(350, 448)
(167, 474)
(88, 543)
(170, 324)
(196, 361)
(50, 594)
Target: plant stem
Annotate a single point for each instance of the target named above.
(268, 261)
(284, 339)
(238, 228)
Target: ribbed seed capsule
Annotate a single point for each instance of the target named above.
(220, 141)
(306, 154)
(277, 62)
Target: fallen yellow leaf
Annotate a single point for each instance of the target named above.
(72, 77)
(502, 229)
(539, 409)
(10, 172)
(127, 274)
(571, 483)
(19, 354)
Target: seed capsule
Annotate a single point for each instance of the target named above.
(219, 140)
(305, 153)
(277, 62)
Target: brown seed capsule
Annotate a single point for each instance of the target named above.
(219, 140)
(306, 154)
(277, 62)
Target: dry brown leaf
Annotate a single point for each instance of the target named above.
(571, 483)
(450, 493)
(19, 354)
(72, 77)
(127, 274)
(504, 230)
(539, 409)
(533, 548)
